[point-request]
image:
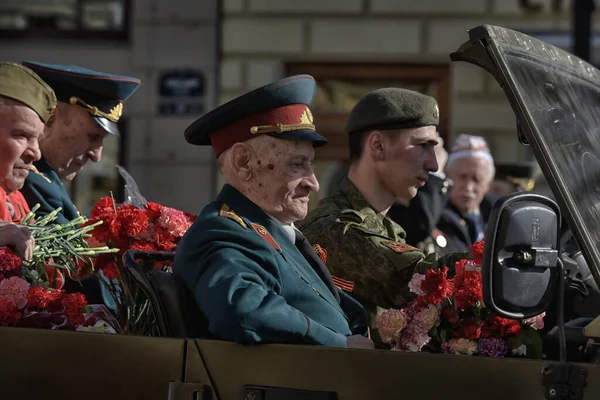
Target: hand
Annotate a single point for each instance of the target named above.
(359, 342)
(441, 155)
(18, 237)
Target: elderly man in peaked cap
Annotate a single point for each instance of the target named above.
(392, 138)
(26, 104)
(253, 274)
(90, 104)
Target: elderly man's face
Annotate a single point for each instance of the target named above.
(73, 140)
(20, 130)
(283, 178)
(472, 177)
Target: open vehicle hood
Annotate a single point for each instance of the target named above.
(556, 100)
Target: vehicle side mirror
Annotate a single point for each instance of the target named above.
(519, 270)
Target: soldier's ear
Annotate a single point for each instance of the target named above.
(375, 145)
(240, 160)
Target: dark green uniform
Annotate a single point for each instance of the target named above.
(44, 187)
(366, 252)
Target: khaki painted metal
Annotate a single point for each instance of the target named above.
(42, 364)
(45, 364)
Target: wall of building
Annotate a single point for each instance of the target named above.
(163, 35)
(259, 36)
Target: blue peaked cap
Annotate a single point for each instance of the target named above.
(100, 93)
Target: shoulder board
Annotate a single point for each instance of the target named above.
(34, 169)
(399, 247)
(263, 233)
(227, 212)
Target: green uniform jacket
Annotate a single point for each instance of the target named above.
(252, 283)
(44, 187)
(367, 252)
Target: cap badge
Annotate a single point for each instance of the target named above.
(113, 115)
(306, 117)
(436, 111)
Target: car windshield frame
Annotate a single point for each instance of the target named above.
(545, 87)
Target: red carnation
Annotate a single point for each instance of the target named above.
(143, 245)
(503, 326)
(37, 298)
(10, 264)
(106, 205)
(110, 270)
(74, 304)
(9, 315)
(108, 230)
(54, 298)
(133, 220)
(477, 251)
(449, 315)
(459, 266)
(436, 285)
(163, 239)
(468, 290)
(470, 329)
(152, 210)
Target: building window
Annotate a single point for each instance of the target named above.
(81, 19)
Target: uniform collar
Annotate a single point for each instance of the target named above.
(359, 204)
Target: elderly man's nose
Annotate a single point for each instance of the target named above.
(312, 183)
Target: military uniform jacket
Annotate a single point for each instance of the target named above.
(252, 283)
(366, 252)
(44, 187)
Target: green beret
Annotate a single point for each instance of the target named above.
(19, 83)
(393, 108)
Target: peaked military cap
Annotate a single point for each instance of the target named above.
(393, 108)
(99, 93)
(19, 83)
(521, 175)
(279, 109)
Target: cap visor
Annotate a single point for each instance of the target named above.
(303, 135)
(108, 125)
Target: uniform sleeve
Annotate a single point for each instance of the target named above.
(235, 284)
(40, 193)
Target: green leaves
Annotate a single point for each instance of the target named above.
(61, 246)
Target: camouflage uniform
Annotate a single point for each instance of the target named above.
(367, 253)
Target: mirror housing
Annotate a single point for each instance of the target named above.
(521, 254)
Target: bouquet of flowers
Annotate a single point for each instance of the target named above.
(30, 291)
(448, 316)
(153, 227)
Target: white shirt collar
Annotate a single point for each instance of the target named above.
(289, 229)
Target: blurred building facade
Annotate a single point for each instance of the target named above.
(350, 46)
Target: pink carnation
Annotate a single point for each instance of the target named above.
(426, 318)
(536, 322)
(14, 291)
(415, 284)
(389, 325)
(174, 221)
(413, 338)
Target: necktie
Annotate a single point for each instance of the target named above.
(475, 227)
(315, 262)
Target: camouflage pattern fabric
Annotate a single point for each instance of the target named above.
(368, 250)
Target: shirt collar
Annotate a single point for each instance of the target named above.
(289, 229)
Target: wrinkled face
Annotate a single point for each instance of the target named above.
(472, 177)
(407, 157)
(20, 130)
(73, 139)
(282, 178)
